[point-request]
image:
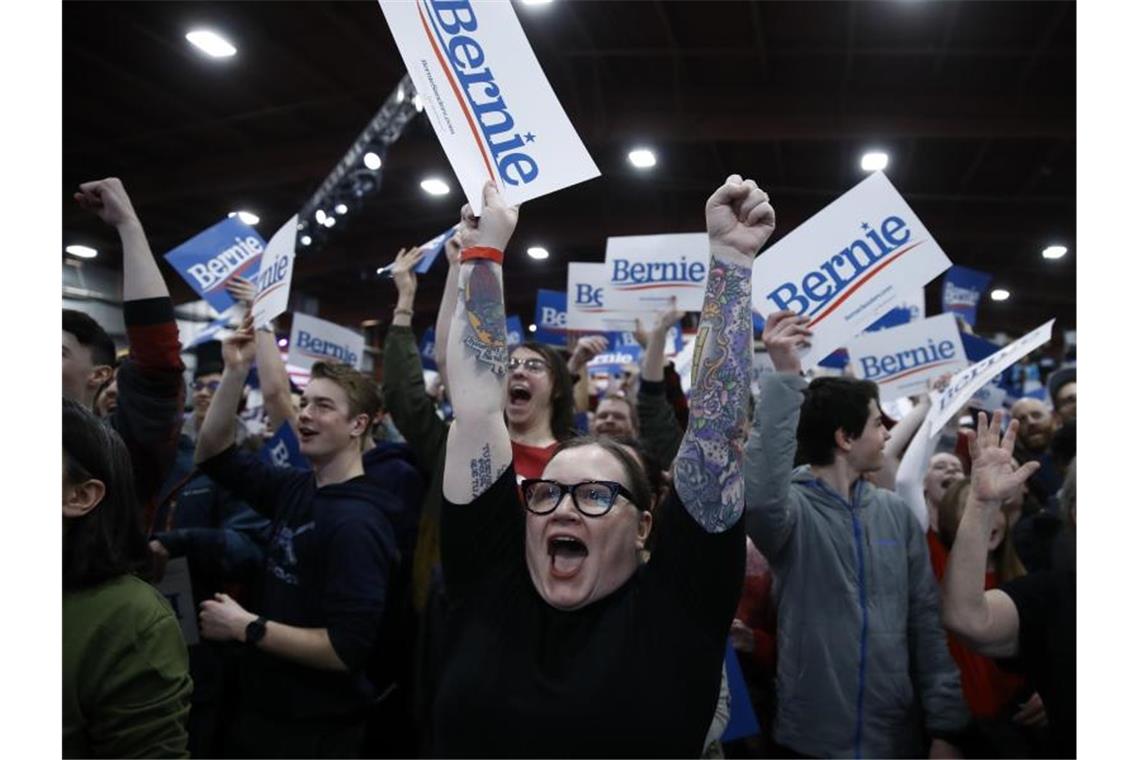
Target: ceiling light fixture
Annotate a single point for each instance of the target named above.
(999, 294)
(330, 221)
(642, 158)
(533, 328)
(341, 209)
(306, 240)
(320, 216)
(435, 186)
(82, 251)
(246, 217)
(874, 161)
(372, 161)
(1054, 252)
(538, 252)
(211, 43)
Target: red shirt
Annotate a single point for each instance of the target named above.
(530, 461)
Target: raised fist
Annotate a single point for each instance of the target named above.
(108, 199)
(739, 217)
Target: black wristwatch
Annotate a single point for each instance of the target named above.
(255, 632)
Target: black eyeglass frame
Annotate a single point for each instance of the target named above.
(616, 490)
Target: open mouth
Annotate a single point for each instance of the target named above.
(567, 555)
(518, 394)
(306, 434)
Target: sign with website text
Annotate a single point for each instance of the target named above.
(275, 277)
(314, 340)
(487, 98)
(645, 271)
(586, 307)
(550, 317)
(215, 256)
(972, 379)
(962, 289)
(847, 265)
(902, 359)
(176, 589)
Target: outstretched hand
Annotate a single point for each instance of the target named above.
(784, 334)
(108, 199)
(496, 225)
(992, 477)
(739, 217)
(662, 321)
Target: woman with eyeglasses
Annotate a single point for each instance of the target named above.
(559, 641)
(126, 685)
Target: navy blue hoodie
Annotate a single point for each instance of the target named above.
(393, 467)
(331, 554)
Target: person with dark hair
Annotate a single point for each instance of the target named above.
(324, 590)
(1062, 384)
(554, 621)
(615, 416)
(126, 686)
(107, 397)
(149, 385)
(861, 652)
(1029, 623)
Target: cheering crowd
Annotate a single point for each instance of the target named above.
(518, 563)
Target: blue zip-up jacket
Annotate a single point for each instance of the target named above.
(862, 661)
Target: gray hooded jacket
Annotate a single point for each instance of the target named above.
(858, 634)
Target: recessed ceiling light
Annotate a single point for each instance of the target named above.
(536, 2)
(435, 186)
(306, 240)
(330, 221)
(246, 217)
(1054, 251)
(999, 294)
(320, 216)
(533, 328)
(642, 158)
(418, 102)
(211, 43)
(372, 161)
(538, 252)
(82, 251)
(874, 161)
(282, 342)
(340, 208)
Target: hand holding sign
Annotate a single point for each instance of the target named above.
(402, 269)
(242, 291)
(239, 350)
(784, 334)
(992, 477)
(739, 218)
(662, 321)
(109, 200)
(451, 250)
(493, 229)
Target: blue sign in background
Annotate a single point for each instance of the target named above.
(207, 245)
(514, 331)
(962, 290)
(550, 333)
(431, 254)
(427, 349)
(742, 720)
(283, 449)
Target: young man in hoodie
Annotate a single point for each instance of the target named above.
(863, 666)
(332, 550)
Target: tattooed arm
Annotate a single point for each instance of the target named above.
(708, 468)
(478, 447)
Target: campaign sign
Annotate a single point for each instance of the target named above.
(972, 379)
(276, 274)
(586, 307)
(902, 359)
(550, 317)
(283, 449)
(176, 589)
(215, 256)
(990, 397)
(674, 338)
(433, 248)
(514, 331)
(612, 362)
(314, 340)
(962, 289)
(427, 349)
(645, 271)
(487, 98)
(847, 265)
(209, 332)
(741, 714)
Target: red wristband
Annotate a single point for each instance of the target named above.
(481, 252)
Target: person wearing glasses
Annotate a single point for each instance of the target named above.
(559, 641)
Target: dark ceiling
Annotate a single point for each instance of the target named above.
(975, 102)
